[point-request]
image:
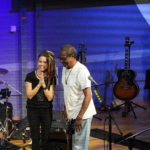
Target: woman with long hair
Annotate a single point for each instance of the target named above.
(40, 87)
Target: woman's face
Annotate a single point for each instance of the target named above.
(42, 63)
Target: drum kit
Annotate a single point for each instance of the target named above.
(4, 127)
(57, 129)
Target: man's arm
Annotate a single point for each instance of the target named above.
(85, 104)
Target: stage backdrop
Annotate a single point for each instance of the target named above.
(102, 29)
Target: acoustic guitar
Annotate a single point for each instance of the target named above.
(126, 88)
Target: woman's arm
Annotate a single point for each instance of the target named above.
(50, 93)
(31, 92)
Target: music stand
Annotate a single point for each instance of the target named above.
(132, 138)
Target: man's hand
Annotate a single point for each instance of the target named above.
(78, 125)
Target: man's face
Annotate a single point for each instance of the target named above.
(65, 59)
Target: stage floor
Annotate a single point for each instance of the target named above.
(128, 124)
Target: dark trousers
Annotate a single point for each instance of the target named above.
(40, 121)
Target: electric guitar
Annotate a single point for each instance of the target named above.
(70, 130)
(81, 55)
(126, 87)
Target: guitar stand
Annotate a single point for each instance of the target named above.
(128, 107)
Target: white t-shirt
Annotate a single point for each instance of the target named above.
(77, 81)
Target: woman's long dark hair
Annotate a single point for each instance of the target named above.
(51, 70)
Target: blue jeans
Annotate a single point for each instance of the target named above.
(80, 140)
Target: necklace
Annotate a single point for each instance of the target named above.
(66, 78)
(38, 75)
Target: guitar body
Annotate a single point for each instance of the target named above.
(126, 87)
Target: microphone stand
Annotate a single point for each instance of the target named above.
(110, 116)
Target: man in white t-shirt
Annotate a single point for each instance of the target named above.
(77, 96)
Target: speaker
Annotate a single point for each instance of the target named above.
(20, 129)
(58, 140)
(147, 80)
(57, 122)
(58, 146)
(58, 136)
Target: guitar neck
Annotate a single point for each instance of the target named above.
(83, 58)
(82, 53)
(70, 130)
(127, 58)
(127, 53)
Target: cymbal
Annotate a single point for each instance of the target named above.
(3, 71)
(16, 95)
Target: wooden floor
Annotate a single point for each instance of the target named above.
(125, 124)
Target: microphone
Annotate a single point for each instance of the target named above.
(100, 98)
(90, 78)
